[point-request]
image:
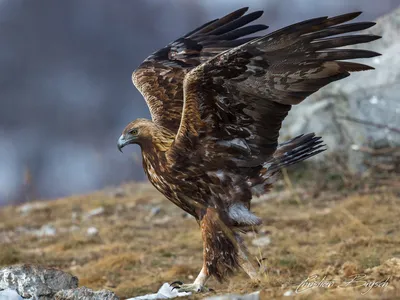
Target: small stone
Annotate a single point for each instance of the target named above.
(95, 212)
(261, 242)
(28, 207)
(92, 231)
(118, 193)
(288, 293)
(155, 211)
(45, 230)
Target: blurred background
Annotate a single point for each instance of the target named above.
(65, 81)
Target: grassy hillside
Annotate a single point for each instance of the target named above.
(130, 239)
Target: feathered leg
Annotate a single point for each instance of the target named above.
(220, 252)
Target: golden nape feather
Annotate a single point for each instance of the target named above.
(217, 99)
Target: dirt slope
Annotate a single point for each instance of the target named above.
(130, 240)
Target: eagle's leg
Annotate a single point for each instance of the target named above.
(198, 286)
(220, 252)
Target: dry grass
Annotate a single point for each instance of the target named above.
(328, 233)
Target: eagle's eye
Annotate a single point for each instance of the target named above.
(133, 131)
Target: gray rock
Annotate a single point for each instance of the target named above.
(118, 192)
(27, 208)
(36, 282)
(83, 293)
(95, 212)
(370, 96)
(45, 230)
(155, 211)
(288, 293)
(92, 231)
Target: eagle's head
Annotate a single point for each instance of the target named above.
(136, 132)
(145, 133)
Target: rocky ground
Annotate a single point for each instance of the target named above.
(130, 240)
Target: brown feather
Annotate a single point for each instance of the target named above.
(219, 245)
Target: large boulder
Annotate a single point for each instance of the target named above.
(36, 282)
(364, 97)
(40, 283)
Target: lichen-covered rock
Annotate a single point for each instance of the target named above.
(36, 282)
(83, 293)
(371, 96)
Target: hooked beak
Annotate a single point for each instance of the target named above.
(122, 142)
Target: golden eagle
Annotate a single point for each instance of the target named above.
(217, 99)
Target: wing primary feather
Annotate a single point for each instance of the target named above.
(194, 31)
(340, 29)
(303, 59)
(312, 25)
(343, 41)
(237, 23)
(242, 32)
(342, 18)
(338, 54)
(226, 19)
(297, 28)
(353, 67)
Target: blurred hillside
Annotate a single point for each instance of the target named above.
(131, 240)
(65, 86)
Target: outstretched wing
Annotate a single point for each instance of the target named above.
(235, 103)
(160, 77)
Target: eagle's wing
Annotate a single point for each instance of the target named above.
(160, 77)
(235, 103)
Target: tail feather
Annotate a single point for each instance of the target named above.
(296, 150)
(287, 153)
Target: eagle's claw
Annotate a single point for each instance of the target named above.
(193, 288)
(176, 282)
